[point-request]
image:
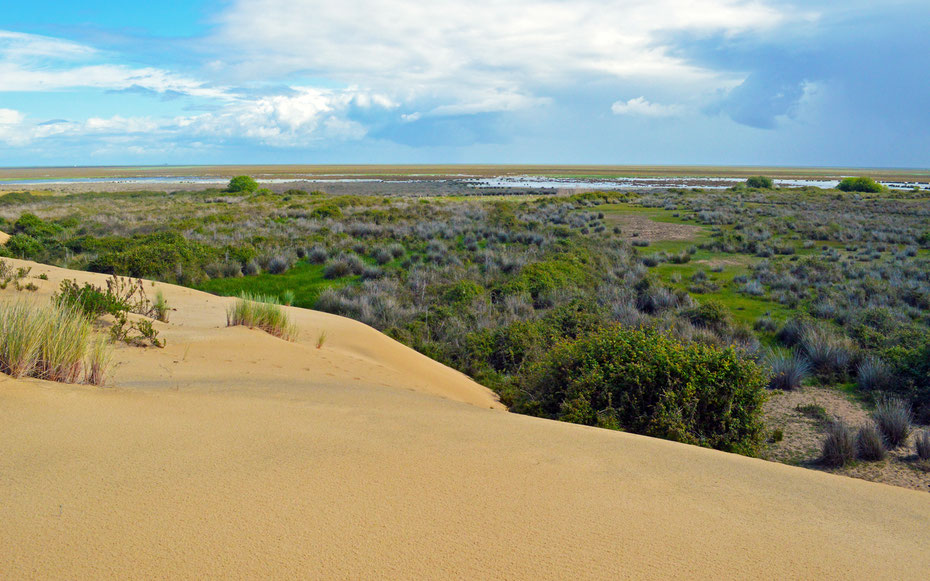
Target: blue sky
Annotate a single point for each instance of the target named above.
(717, 82)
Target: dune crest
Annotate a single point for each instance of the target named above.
(231, 453)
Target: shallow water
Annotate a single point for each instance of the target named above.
(522, 182)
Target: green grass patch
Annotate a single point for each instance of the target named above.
(305, 280)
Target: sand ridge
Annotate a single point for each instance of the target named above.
(234, 454)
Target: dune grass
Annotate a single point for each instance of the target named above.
(263, 312)
(50, 342)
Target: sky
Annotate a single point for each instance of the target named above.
(659, 82)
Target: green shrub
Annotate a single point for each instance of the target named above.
(760, 182)
(16, 198)
(242, 184)
(89, 299)
(711, 314)
(653, 385)
(859, 184)
(152, 256)
(25, 246)
(326, 211)
(463, 292)
(34, 226)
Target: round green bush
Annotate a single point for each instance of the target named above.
(649, 383)
(860, 184)
(243, 184)
(761, 182)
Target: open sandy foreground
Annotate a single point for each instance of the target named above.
(234, 454)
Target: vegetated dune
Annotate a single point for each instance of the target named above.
(236, 454)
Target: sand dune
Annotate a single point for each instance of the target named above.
(234, 454)
(4, 237)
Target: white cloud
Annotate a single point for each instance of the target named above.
(294, 120)
(31, 62)
(455, 54)
(21, 46)
(640, 106)
(11, 130)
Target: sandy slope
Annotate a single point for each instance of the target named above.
(4, 237)
(232, 453)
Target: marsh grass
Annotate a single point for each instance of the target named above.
(49, 342)
(263, 312)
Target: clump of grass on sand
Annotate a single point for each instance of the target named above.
(839, 447)
(263, 312)
(869, 441)
(893, 417)
(49, 342)
(923, 445)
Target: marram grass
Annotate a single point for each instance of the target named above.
(50, 342)
(263, 312)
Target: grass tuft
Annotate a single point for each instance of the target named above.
(839, 447)
(893, 417)
(49, 342)
(923, 445)
(869, 442)
(788, 370)
(263, 312)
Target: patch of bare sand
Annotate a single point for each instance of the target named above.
(4, 237)
(234, 454)
(804, 433)
(648, 229)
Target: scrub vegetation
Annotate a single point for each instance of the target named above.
(724, 294)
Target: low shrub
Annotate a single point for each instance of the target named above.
(839, 445)
(653, 385)
(893, 417)
(242, 184)
(859, 184)
(262, 312)
(760, 182)
(869, 443)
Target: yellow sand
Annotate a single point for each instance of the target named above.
(234, 454)
(4, 237)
